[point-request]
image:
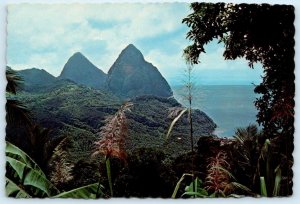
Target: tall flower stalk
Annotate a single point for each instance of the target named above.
(112, 139)
(177, 112)
(189, 86)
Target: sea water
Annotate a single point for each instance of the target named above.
(230, 106)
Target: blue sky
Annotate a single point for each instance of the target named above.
(45, 36)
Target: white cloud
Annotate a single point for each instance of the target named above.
(215, 60)
(64, 28)
(49, 34)
(50, 26)
(169, 65)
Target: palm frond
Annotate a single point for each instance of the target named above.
(17, 113)
(242, 134)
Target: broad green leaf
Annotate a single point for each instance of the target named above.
(88, 191)
(199, 191)
(15, 152)
(198, 185)
(18, 166)
(13, 190)
(32, 177)
(28, 173)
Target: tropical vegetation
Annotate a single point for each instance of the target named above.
(74, 141)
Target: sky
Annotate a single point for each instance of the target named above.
(46, 36)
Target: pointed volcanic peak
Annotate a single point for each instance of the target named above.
(131, 76)
(80, 70)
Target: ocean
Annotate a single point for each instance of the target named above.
(230, 106)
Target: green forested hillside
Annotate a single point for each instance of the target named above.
(79, 112)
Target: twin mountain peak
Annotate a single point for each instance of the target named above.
(129, 76)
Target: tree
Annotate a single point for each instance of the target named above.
(259, 33)
(36, 141)
(17, 113)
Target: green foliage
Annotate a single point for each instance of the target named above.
(147, 174)
(24, 179)
(178, 185)
(108, 171)
(84, 192)
(263, 188)
(246, 153)
(70, 109)
(277, 182)
(22, 170)
(260, 33)
(17, 112)
(13, 190)
(199, 191)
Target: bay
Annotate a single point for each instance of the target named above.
(230, 106)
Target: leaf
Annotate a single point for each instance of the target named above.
(108, 171)
(178, 185)
(174, 121)
(88, 191)
(199, 191)
(263, 189)
(213, 195)
(16, 153)
(277, 181)
(240, 186)
(18, 166)
(235, 196)
(13, 190)
(202, 194)
(198, 184)
(17, 113)
(224, 170)
(27, 172)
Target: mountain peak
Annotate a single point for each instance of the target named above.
(78, 56)
(131, 75)
(131, 52)
(80, 70)
(131, 46)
